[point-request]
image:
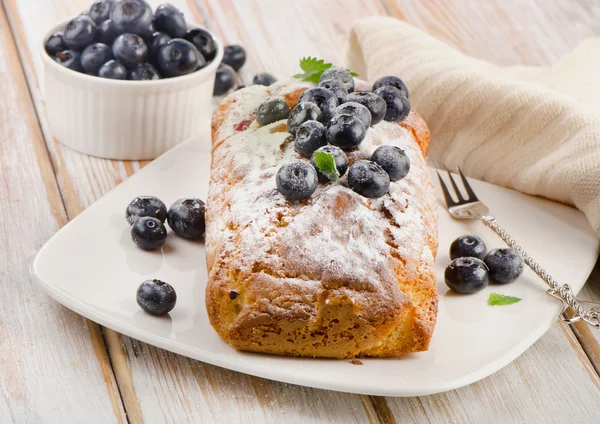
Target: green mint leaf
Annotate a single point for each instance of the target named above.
(313, 69)
(326, 165)
(354, 74)
(497, 299)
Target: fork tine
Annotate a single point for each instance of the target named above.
(470, 192)
(449, 201)
(456, 190)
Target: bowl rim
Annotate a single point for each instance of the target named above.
(200, 74)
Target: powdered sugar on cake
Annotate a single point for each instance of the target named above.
(336, 235)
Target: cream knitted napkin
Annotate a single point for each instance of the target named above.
(533, 129)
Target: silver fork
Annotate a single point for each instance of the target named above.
(473, 208)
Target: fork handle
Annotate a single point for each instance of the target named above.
(563, 292)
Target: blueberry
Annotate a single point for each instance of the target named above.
(186, 218)
(156, 297)
(263, 78)
(466, 275)
(297, 180)
(148, 233)
(113, 69)
(55, 44)
(94, 56)
(345, 131)
(100, 11)
(393, 160)
(145, 206)
(131, 16)
(203, 41)
(178, 57)
(155, 42)
(504, 265)
(355, 109)
(234, 56)
(374, 103)
(323, 98)
(301, 113)
(336, 87)
(224, 79)
(397, 106)
(130, 50)
(309, 137)
(79, 32)
(143, 72)
(468, 247)
(69, 59)
(339, 74)
(272, 110)
(368, 179)
(391, 81)
(106, 32)
(340, 158)
(169, 19)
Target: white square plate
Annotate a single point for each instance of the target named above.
(92, 267)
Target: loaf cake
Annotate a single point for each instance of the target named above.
(337, 275)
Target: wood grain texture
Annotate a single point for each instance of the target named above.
(53, 362)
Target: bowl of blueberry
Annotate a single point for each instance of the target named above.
(125, 81)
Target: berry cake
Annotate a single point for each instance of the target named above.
(336, 275)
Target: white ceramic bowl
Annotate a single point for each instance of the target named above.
(127, 120)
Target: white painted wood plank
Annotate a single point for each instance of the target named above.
(53, 364)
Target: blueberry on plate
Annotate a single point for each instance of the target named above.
(94, 56)
(504, 265)
(301, 113)
(345, 131)
(340, 158)
(309, 137)
(113, 69)
(224, 79)
(148, 233)
(263, 78)
(468, 247)
(156, 297)
(393, 160)
(130, 50)
(466, 275)
(69, 59)
(179, 57)
(368, 179)
(203, 41)
(79, 32)
(339, 74)
(186, 218)
(354, 109)
(391, 81)
(336, 87)
(373, 102)
(100, 11)
(169, 19)
(106, 32)
(131, 16)
(234, 55)
(297, 180)
(397, 106)
(155, 42)
(55, 44)
(323, 98)
(145, 206)
(143, 72)
(272, 110)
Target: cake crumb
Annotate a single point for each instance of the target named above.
(356, 362)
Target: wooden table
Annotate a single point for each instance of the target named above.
(56, 366)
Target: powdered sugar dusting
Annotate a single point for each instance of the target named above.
(334, 238)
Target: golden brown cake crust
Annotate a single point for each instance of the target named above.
(337, 275)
